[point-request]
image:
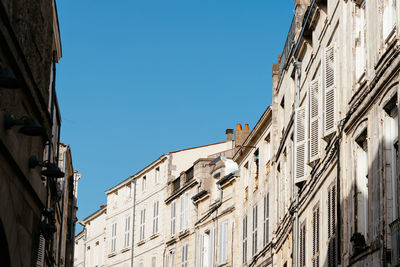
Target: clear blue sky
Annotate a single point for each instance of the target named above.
(140, 78)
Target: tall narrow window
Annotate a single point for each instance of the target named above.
(222, 242)
(185, 254)
(127, 230)
(257, 168)
(315, 119)
(113, 236)
(303, 245)
(361, 185)
(142, 222)
(255, 218)
(170, 261)
(332, 227)
(389, 18)
(155, 217)
(157, 175)
(173, 217)
(144, 183)
(266, 219)
(244, 239)
(360, 28)
(315, 243)
(184, 215)
(204, 249)
(300, 144)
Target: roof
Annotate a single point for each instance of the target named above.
(253, 134)
(197, 147)
(94, 215)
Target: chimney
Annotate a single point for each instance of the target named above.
(241, 135)
(229, 135)
(102, 206)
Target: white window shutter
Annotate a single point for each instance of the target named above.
(315, 120)
(300, 144)
(181, 217)
(211, 248)
(173, 217)
(329, 76)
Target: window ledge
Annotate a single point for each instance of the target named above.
(154, 235)
(125, 249)
(141, 242)
(184, 233)
(112, 254)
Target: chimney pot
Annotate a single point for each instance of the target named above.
(238, 127)
(246, 127)
(229, 134)
(102, 206)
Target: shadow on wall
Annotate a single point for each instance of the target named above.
(4, 252)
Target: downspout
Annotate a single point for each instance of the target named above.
(195, 227)
(133, 220)
(338, 228)
(62, 205)
(84, 247)
(297, 66)
(73, 221)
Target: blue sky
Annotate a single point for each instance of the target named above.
(141, 78)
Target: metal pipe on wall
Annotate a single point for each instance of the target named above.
(133, 220)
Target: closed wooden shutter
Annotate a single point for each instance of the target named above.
(173, 217)
(332, 226)
(211, 248)
(301, 141)
(316, 237)
(303, 245)
(329, 90)
(315, 119)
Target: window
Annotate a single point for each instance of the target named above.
(360, 29)
(142, 223)
(254, 241)
(266, 219)
(206, 248)
(392, 150)
(222, 242)
(300, 144)
(184, 216)
(143, 183)
(332, 226)
(171, 258)
(113, 236)
(155, 217)
(389, 18)
(185, 254)
(176, 184)
(153, 262)
(315, 243)
(303, 245)
(257, 166)
(361, 184)
(244, 252)
(173, 217)
(157, 175)
(127, 230)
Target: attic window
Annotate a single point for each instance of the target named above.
(177, 184)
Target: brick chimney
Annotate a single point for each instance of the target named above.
(241, 135)
(229, 135)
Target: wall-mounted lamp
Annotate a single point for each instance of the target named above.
(30, 126)
(51, 169)
(7, 78)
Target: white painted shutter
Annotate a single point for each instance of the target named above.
(329, 90)
(300, 144)
(173, 217)
(186, 210)
(40, 254)
(201, 249)
(225, 241)
(315, 120)
(211, 247)
(182, 213)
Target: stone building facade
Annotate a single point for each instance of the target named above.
(31, 178)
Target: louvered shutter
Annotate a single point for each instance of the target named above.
(201, 250)
(329, 90)
(182, 213)
(40, 252)
(211, 248)
(300, 141)
(315, 120)
(332, 227)
(316, 238)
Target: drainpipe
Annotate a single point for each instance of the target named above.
(297, 66)
(84, 247)
(133, 220)
(62, 207)
(195, 227)
(73, 221)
